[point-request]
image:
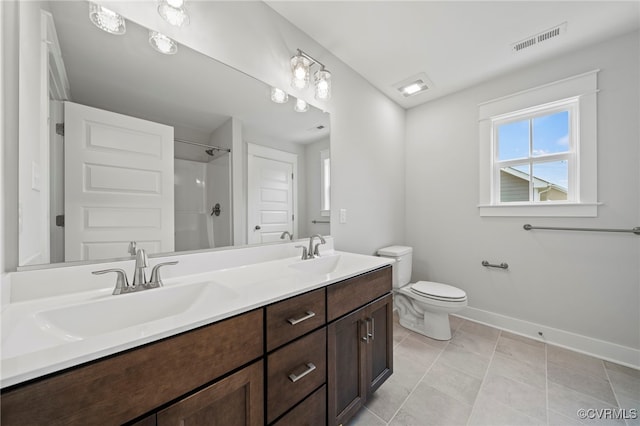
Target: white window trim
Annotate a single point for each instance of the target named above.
(325, 210)
(582, 87)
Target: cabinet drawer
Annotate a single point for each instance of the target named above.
(311, 412)
(353, 293)
(294, 317)
(294, 371)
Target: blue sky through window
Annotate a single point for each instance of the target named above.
(550, 136)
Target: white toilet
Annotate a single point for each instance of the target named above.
(423, 307)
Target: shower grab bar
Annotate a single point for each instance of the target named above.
(320, 221)
(503, 265)
(635, 230)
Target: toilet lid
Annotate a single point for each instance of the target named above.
(438, 290)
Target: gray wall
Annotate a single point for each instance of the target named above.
(584, 283)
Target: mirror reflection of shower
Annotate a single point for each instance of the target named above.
(202, 182)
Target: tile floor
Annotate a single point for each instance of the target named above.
(484, 376)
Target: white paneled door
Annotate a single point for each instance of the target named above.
(271, 189)
(118, 184)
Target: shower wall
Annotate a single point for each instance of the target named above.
(198, 187)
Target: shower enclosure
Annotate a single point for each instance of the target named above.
(202, 197)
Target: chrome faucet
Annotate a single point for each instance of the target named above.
(284, 234)
(313, 251)
(139, 275)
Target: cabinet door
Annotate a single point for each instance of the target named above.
(379, 327)
(346, 358)
(233, 401)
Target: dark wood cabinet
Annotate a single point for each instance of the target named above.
(360, 357)
(123, 387)
(311, 412)
(309, 360)
(236, 400)
(295, 371)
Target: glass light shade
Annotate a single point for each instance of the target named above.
(106, 19)
(162, 43)
(174, 15)
(300, 72)
(279, 96)
(323, 84)
(301, 106)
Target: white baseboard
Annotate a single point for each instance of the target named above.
(608, 351)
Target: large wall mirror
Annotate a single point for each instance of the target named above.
(173, 152)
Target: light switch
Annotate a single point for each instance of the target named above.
(343, 215)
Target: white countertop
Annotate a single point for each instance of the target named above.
(32, 345)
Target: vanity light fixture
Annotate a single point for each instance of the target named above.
(279, 96)
(323, 84)
(162, 43)
(174, 12)
(301, 106)
(106, 19)
(301, 64)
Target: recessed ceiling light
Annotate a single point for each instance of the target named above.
(413, 85)
(413, 88)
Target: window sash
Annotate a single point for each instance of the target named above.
(571, 105)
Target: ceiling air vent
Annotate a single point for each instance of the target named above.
(539, 38)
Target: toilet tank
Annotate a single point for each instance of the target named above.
(402, 268)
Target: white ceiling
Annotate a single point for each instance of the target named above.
(457, 44)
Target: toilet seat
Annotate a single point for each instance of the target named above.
(438, 291)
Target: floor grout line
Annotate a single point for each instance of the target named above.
(484, 378)
(423, 376)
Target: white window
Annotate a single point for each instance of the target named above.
(325, 183)
(538, 151)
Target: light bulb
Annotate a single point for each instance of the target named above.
(174, 15)
(176, 3)
(300, 72)
(106, 19)
(301, 106)
(162, 43)
(279, 96)
(323, 84)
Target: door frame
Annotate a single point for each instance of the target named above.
(260, 151)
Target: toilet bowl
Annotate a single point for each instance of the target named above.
(424, 306)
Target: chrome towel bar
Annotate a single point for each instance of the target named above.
(635, 230)
(320, 221)
(503, 265)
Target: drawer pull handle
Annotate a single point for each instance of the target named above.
(310, 368)
(294, 321)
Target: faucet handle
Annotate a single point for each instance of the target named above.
(122, 283)
(156, 280)
(132, 248)
(304, 252)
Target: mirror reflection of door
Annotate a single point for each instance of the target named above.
(118, 184)
(272, 184)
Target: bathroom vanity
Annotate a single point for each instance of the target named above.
(312, 358)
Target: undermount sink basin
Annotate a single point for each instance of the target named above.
(318, 265)
(95, 317)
